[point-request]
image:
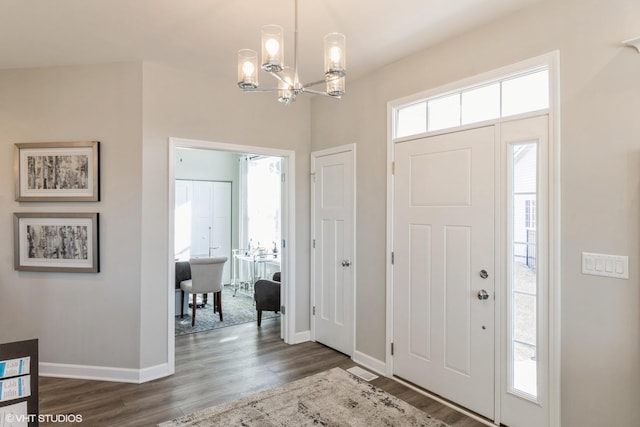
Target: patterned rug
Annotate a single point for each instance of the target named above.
(235, 310)
(330, 398)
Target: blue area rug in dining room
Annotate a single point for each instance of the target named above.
(235, 310)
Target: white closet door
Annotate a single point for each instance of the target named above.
(334, 249)
(182, 231)
(221, 225)
(203, 220)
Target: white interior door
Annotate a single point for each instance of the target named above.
(201, 227)
(333, 273)
(444, 266)
(183, 196)
(203, 220)
(221, 225)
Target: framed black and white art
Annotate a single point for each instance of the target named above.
(57, 171)
(56, 242)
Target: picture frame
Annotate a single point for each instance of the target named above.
(56, 242)
(57, 171)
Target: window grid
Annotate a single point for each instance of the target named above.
(429, 103)
(530, 214)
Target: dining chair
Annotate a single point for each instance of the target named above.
(206, 276)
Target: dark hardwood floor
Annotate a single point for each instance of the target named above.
(211, 368)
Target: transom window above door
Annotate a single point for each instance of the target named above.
(509, 96)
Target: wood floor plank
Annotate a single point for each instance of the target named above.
(213, 367)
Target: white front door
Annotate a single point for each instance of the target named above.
(444, 266)
(333, 248)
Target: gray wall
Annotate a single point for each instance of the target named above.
(193, 105)
(118, 317)
(209, 165)
(83, 319)
(206, 165)
(600, 142)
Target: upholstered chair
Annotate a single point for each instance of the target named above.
(206, 277)
(267, 295)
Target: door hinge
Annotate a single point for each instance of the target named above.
(393, 168)
(313, 176)
(314, 243)
(392, 349)
(282, 309)
(284, 244)
(393, 258)
(314, 310)
(283, 177)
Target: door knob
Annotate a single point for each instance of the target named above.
(482, 295)
(346, 263)
(484, 274)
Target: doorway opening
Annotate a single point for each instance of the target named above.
(223, 200)
(227, 205)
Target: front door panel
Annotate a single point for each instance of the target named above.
(443, 304)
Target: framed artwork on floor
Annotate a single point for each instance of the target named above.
(64, 242)
(57, 171)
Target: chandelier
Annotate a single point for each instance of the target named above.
(289, 85)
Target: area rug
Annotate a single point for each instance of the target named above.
(235, 310)
(330, 398)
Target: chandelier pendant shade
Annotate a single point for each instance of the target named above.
(288, 83)
(272, 49)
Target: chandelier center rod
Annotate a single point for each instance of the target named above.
(296, 81)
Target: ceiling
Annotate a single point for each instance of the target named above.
(206, 34)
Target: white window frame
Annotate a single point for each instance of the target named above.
(508, 258)
(460, 91)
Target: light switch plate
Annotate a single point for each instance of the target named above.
(605, 265)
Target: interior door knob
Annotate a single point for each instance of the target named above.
(482, 295)
(346, 263)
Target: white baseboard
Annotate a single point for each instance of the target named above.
(303, 336)
(377, 366)
(153, 373)
(102, 373)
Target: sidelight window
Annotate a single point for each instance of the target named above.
(523, 280)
